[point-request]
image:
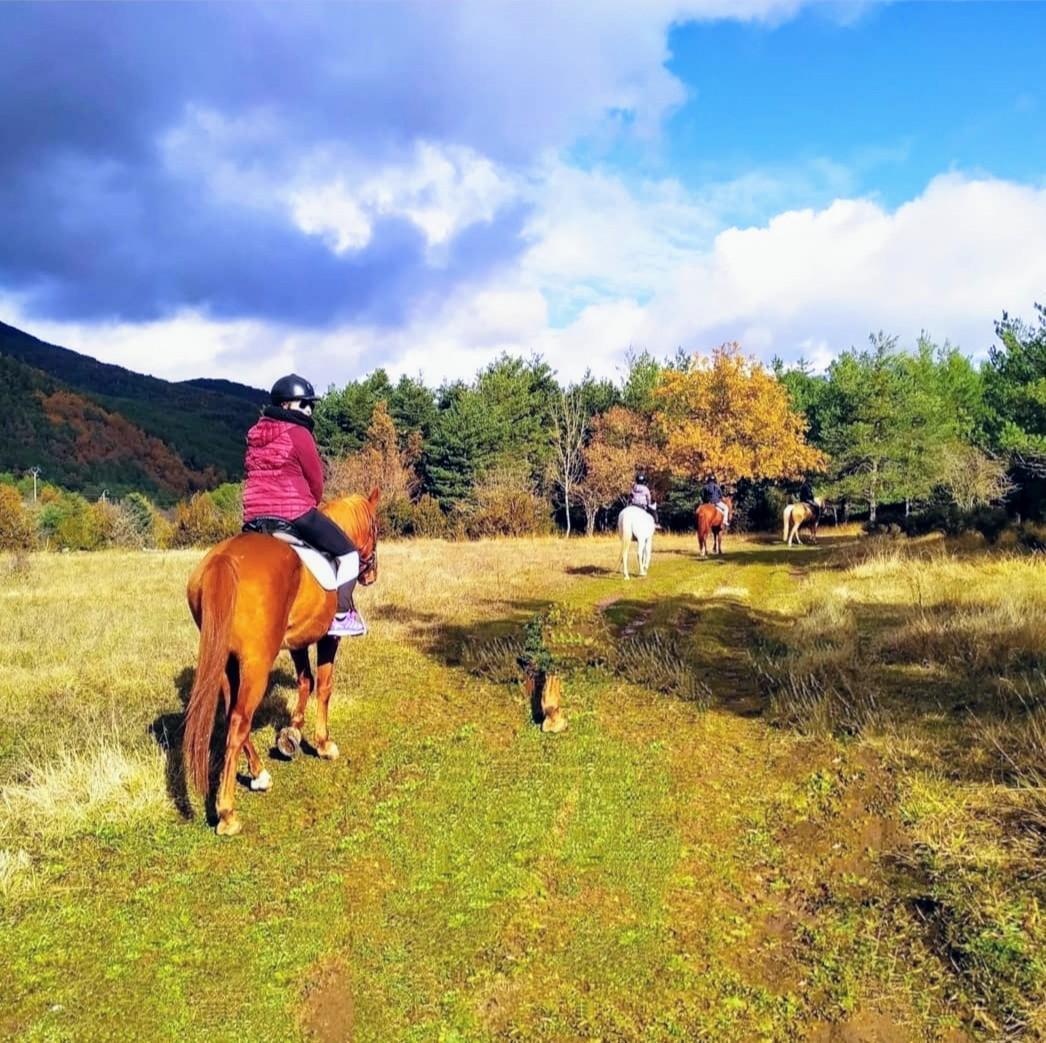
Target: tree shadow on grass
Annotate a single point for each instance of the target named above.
(447, 642)
(168, 731)
(881, 667)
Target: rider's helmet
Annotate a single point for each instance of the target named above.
(291, 388)
(641, 478)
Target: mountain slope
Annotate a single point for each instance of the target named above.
(80, 445)
(255, 396)
(201, 422)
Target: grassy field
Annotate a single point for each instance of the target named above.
(800, 797)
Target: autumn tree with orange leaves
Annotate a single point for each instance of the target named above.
(726, 413)
(382, 463)
(622, 442)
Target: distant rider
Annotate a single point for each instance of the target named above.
(806, 493)
(712, 493)
(284, 479)
(640, 497)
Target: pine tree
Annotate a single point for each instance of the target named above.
(461, 449)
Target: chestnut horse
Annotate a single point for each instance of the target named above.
(710, 520)
(251, 596)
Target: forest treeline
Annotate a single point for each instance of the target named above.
(915, 435)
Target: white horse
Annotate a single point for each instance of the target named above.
(633, 523)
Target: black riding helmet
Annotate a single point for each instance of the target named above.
(290, 388)
(641, 478)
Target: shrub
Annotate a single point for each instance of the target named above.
(163, 531)
(505, 504)
(1032, 536)
(140, 519)
(129, 523)
(69, 522)
(429, 519)
(395, 516)
(536, 657)
(228, 498)
(106, 523)
(17, 531)
(201, 522)
(989, 522)
(953, 521)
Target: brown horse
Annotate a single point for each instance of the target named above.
(710, 520)
(796, 515)
(251, 596)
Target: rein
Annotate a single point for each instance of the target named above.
(371, 560)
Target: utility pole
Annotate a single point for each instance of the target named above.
(35, 472)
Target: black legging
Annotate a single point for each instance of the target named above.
(320, 532)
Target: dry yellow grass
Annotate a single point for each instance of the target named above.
(84, 789)
(426, 860)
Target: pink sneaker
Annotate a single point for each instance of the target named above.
(347, 624)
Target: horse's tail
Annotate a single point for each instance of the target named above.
(787, 519)
(217, 597)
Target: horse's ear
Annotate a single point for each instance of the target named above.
(375, 495)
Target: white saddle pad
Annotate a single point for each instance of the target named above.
(324, 572)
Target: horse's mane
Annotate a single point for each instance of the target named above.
(354, 514)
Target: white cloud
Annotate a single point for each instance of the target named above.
(807, 283)
(948, 261)
(642, 269)
(442, 189)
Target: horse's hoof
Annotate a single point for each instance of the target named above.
(288, 742)
(262, 783)
(229, 824)
(555, 724)
(328, 750)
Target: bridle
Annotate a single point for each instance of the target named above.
(371, 560)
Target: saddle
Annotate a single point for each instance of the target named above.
(326, 569)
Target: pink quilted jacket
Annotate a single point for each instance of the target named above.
(283, 472)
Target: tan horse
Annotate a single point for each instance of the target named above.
(796, 515)
(251, 596)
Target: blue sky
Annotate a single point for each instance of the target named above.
(238, 190)
(901, 94)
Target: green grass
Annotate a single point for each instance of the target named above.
(673, 867)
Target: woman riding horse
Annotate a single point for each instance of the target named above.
(252, 595)
(284, 480)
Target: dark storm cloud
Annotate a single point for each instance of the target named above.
(96, 222)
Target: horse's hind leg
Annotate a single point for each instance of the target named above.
(625, 545)
(254, 678)
(288, 742)
(261, 780)
(325, 653)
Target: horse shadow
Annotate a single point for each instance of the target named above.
(590, 570)
(168, 732)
